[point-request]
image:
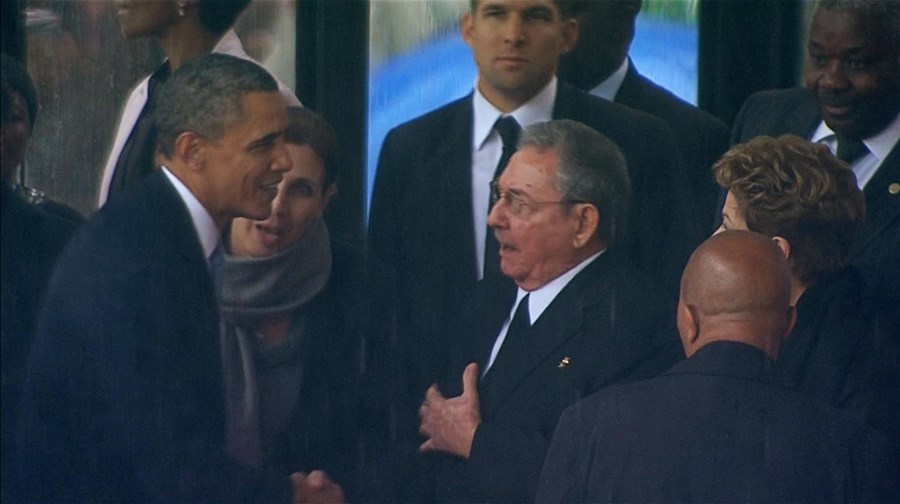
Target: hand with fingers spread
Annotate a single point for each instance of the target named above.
(315, 488)
(450, 423)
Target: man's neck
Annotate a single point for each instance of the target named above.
(508, 101)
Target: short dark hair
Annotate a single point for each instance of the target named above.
(16, 79)
(591, 169)
(567, 8)
(219, 15)
(882, 17)
(792, 188)
(205, 95)
(305, 127)
(631, 8)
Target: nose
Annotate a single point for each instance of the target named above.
(833, 75)
(514, 32)
(281, 161)
(497, 217)
(278, 204)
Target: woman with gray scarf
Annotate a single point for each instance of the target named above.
(290, 346)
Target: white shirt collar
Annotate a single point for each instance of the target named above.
(610, 87)
(204, 225)
(879, 144)
(540, 299)
(230, 43)
(538, 109)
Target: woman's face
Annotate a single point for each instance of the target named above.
(301, 200)
(145, 18)
(16, 131)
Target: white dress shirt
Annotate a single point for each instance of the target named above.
(487, 148)
(609, 88)
(879, 145)
(206, 229)
(538, 301)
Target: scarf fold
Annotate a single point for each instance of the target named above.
(266, 381)
(252, 289)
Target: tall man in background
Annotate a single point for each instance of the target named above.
(851, 102)
(600, 64)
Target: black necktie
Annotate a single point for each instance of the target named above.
(514, 344)
(850, 149)
(509, 131)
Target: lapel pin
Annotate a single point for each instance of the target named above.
(564, 362)
(894, 188)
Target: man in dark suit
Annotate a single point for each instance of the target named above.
(123, 399)
(428, 240)
(716, 427)
(571, 317)
(851, 103)
(599, 63)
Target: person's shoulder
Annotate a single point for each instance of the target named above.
(435, 122)
(657, 100)
(778, 99)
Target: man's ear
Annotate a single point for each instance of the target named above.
(588, 220)
(571, 27)
(190, 149)
(784, 245)
(329, 193)
(688, 327)
(467, 28)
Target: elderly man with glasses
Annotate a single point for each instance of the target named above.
(568, 317)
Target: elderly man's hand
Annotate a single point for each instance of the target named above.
(450, 424)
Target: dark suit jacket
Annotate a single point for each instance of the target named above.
(795, 111)
(590, 336)
(714, 428)
(123, 400)
(31, 241)
(421, 241)
(841, 353)
(702, 138)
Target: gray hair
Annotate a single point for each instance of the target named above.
(882, 17)
(591, 170)
(205, 97)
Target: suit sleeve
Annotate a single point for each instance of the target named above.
(123, 396)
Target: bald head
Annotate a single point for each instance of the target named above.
(736, 287)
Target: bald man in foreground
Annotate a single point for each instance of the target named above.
(716, 427)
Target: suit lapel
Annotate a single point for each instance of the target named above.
(453, 156)
(882, 206)
(560, 322)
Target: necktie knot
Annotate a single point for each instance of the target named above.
(850, 149)
(521, 320)
(509, 131)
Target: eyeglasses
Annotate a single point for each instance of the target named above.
(518, 205)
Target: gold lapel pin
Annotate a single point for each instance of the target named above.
(894, 188)
(564, 362)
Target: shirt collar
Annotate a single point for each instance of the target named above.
(879, 144)
(538, 109)
(540, 299)
(610, 87)
(204, 225)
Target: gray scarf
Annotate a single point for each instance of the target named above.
(262, 384)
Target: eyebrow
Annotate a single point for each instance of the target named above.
(266, 140)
